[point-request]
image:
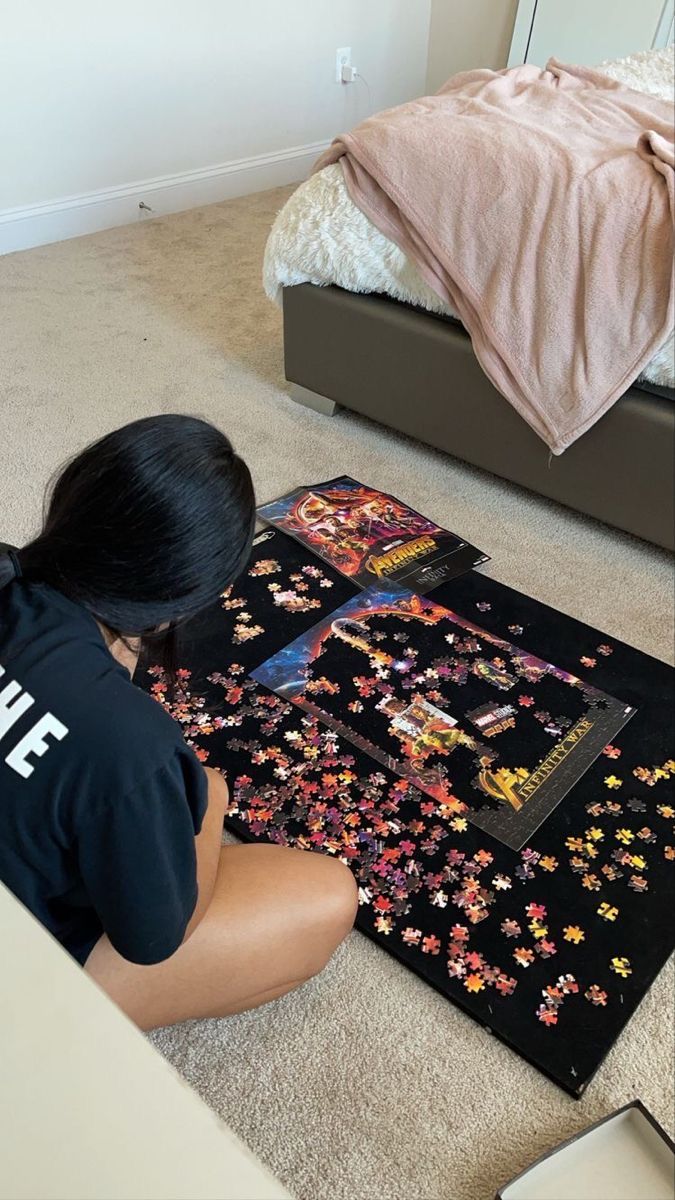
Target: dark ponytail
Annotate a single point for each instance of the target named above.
(147, 526)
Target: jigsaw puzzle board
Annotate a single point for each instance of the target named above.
(455, 710)
(551, 947)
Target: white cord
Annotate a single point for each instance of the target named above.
(364, 80)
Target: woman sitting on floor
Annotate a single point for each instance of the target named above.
(110, 828)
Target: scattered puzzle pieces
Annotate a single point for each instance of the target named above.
(523, 956)
(299, 783)
(608, 911)
(596, 995)
(474, 983)
(572, 933)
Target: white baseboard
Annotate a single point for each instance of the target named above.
(38, 224)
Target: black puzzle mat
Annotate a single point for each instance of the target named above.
(551, 947)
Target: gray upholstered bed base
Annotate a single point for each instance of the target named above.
(417, 373)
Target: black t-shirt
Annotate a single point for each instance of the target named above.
(100, 798)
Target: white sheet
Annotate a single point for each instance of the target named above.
(321, 237)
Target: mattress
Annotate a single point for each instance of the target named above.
(321, 237)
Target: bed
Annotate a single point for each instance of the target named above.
(363, 330)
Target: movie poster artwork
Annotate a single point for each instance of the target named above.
(494, 734)
(369, 535)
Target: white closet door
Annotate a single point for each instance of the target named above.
(588, 31)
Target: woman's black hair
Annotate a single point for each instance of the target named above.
(147, 526)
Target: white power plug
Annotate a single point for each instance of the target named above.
(343, 58)
(348, 73)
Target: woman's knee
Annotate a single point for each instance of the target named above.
(335, 903)
(216, 783)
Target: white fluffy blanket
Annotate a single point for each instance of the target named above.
(321, 237)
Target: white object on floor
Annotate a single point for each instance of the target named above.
(90, 1110)
(321, 237)
(621, 1158)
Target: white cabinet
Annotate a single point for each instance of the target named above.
(588, 31)
(89, 1110)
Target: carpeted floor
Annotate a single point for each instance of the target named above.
(365, 1084)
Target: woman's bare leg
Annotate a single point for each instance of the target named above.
(274, 920)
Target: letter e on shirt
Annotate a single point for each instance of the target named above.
(14, 702)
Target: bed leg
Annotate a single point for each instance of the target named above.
(315, 400)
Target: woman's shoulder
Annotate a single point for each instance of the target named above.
(136, 717)
(55, 650)
(126, 740)
(83, 729)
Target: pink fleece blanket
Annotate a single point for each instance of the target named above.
(539, 205)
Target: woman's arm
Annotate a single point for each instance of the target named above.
(207, 845)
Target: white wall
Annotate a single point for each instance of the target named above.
(466, 34)
(96, 96)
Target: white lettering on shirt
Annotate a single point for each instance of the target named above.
(34, 743)
(14, 702)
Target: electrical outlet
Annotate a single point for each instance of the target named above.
(343, 58)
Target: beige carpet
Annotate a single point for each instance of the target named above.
(365, 1085)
